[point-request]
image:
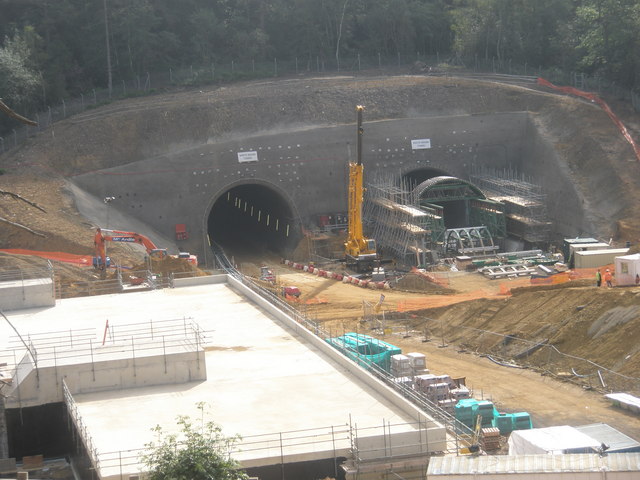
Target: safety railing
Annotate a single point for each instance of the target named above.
(22, 274)
(124, 280)
(335, 440)
(119, 340)
(80, 427)
(455, 428)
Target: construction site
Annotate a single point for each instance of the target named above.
(365, 277)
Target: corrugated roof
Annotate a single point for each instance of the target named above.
(616, 440)
(503, 464)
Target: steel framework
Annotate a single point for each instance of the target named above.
(402, 229)
(524, 202)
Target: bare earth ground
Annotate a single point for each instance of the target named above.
(550, 400)
(581, 321)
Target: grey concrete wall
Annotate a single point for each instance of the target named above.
(308, 167)
(42, 386)
(565, 205)
(205, 280)
(17, 295)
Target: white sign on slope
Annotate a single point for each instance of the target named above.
(247, 157)
(421, 143)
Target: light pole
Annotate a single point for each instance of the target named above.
(107, 201)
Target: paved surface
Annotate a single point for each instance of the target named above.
(262, 379)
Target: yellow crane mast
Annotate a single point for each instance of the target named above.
(360, 251)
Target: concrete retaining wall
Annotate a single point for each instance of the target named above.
(307, 168)
(44, 385)
(194, 281)
(20, 294)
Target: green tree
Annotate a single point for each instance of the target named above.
(198, 453)
(19, 81)
(608, 34)
(522, 31)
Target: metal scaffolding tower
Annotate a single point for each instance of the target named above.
(524, 202)
(404, 231)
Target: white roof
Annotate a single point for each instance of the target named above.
(630, 258)
(609, 251)
(558, 439)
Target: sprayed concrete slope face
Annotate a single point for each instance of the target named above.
(266, 187)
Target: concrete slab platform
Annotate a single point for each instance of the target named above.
(264, 381)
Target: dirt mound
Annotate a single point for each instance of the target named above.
(412, 282)
(169, 265)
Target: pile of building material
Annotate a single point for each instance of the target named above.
(490, 439)
(409, 365)
(625, 401)
(467, 411)
(502, 271)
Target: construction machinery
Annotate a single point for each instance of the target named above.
(474, 446)
(360, 252)
(103, 235)
(266, 275)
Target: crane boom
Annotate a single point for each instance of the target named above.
(359, 250)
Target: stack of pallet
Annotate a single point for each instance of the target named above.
(401, 366)
(490, 439)
(418, 363)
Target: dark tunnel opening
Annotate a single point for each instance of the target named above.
(455, 214)
(250, 219)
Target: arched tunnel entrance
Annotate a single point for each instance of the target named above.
(441, 215)
(253, 218)
(429, 183)
(416, 177)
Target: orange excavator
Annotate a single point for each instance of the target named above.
(103, 235)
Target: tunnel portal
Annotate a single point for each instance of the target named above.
(253, 218)
(444, 215)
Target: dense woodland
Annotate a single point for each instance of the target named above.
(54, 49)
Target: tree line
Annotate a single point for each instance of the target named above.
(54, 49)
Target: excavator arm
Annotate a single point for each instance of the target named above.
(102, 236)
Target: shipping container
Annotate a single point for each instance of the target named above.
(598, 258)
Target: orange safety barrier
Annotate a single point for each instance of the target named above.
(596, 99)
(58, 256)
(433, 301)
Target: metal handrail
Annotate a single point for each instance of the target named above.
(82, 430)
(453, 426)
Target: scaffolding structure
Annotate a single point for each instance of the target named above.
(403, 230)
(524, 202)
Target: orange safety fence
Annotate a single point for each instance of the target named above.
(435, 301)
(596, 99)
(86, 260)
